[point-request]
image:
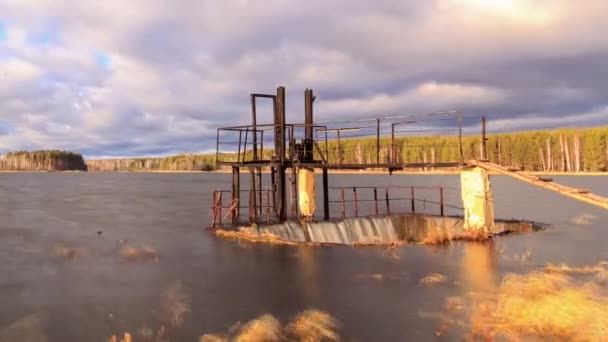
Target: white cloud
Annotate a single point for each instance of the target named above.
(180, 69)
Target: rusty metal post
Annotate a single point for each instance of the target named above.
(325, 195)
(251, 210)
(236, 193)
(460, 136)
(342, 202)
(238, 155)
(339, 148)
(441, 201)
(220, 207)
(484, 140)
(308, 121)
(376, 201)
(259, 174)
(356, 201)
(393, 144)
(214, 208)
(413, 193)
(378, 143)
(253, 189)
(274, 191)
(268, 206)
(255, 131)
(388, 201)
(280, 148)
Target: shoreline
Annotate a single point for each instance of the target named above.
(345, 172)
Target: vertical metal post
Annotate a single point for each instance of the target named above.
(220, 207)
(253, 189)
(274, 191)
(393, 144)
(217, 147)
(325, 195)
(376, 201)
(254, 124)
(441, 201)
(378, 142)
(259, 187)
(262, 145)
(326, 148)
(236, 193)
(356, 201)
(388, 202)
(268, 206)
(251, 209)
(214, 208)
(342, 202)
(413, 194)
(238, 155)
(339, 148)
(294, 192)
(280, 148)
(460, 136)
(308, 121)
(484, 140)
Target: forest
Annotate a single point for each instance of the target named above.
(563, 150)
(43, 160)
(559, 150)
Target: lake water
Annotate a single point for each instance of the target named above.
(94, 291)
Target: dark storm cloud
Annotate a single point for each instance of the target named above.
(158, 77)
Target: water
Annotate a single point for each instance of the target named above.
(97, 292)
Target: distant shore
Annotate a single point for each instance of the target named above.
(349, 172)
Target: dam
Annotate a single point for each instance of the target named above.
(281, 158)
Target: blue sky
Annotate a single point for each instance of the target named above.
(157, 77)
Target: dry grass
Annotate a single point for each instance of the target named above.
(143, 252)
(543, 305)
(434, 279)
(176, 303)
(61, 250)
(308, 326)
(559, 303)
(313, 325)
(249, 234)
(442, 236)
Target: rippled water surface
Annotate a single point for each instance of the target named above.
(62, 257)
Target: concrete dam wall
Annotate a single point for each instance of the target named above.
(382, 230)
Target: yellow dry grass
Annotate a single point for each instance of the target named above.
(248, 234)
(143, 252)
(543, 305)
(308, 326)
(434, 279)
(312, 326)
(176, 303)
(560, 302)
(63, 251)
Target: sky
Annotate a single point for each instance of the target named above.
(118, 78)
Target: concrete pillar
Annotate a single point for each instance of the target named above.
(477, 200)
(306, 192)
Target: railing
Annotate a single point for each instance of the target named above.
(256, 211)
(365, 201)
(350, 201)
(342, 144)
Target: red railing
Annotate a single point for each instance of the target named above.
(357, 201)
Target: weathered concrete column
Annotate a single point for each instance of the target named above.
(306, 192)
(477, 200)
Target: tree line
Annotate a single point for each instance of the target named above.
(43, 160)
(564, 150)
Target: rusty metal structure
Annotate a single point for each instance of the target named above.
(279, 149)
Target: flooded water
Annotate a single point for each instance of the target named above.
(63, 259)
